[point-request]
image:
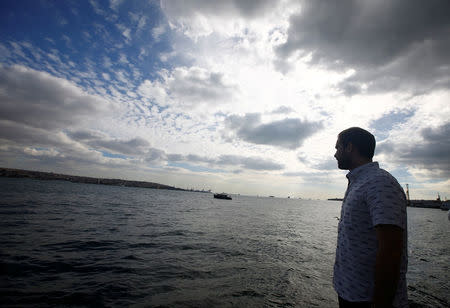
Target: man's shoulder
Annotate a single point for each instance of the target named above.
(379, 174)
(382, 180)
(376, 179)
(383, 175)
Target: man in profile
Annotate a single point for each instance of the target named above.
(371, 254)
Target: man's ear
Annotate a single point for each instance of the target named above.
(348, 148)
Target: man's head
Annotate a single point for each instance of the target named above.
(354, 147)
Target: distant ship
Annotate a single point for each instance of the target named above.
(222, 196)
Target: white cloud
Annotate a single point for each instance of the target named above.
(114, 4)
(96, 7)
(197, 19)
(226, 161)
(245, 47)
(17, 49)
(123, 58)
(188, 88)
(154, 91)
(166, 56)
(107, 62)
(142, 22)
(46, 152)
(158, 31)
(425, 150)
(246, 70)
(4, 53)
(398, 53)
(126, 32)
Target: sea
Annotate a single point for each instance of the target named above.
(66, 244)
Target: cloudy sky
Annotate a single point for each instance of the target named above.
(238, 96)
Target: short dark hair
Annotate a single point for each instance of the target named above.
(360, 138)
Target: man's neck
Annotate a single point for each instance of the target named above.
(359, 163)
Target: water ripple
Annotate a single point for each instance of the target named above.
(77, 245)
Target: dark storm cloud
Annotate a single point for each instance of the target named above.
(288, 133)
(25, 136)
(40, 100)
(431, 154)
(392, 45)
(16, 133)
(42, 146)
(40, 111)
(86, 135)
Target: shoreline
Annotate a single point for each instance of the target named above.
(50, 176)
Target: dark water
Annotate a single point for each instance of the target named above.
(77, 245)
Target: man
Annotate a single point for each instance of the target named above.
(371, 253)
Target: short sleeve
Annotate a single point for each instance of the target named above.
(386, 201)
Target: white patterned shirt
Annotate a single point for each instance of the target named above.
(373, 197)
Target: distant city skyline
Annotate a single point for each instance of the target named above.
(234, 96)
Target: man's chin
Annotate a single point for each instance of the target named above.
(342, 166)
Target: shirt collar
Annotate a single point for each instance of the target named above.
(355, 173)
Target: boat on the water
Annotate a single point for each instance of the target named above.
(222, 196)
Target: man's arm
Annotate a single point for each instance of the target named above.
(387, 268)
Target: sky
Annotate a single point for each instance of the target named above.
(234, 96)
